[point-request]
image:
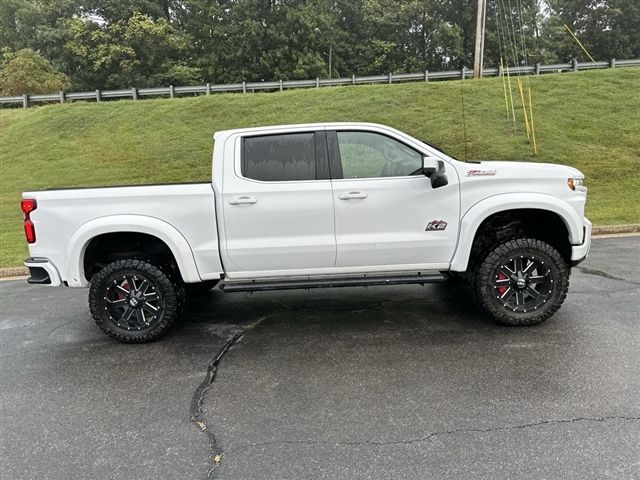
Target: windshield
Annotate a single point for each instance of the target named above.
(436, 147)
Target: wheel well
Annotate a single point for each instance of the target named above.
(110, 247)
(532, 223)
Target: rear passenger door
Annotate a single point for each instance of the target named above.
(278, 206)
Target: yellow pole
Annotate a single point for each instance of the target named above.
(524, 109)
(504, 87)
(579, 43)
(513, 110)
(533, 131)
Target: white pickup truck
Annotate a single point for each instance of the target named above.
(315, 205)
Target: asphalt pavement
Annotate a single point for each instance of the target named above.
(385, 382)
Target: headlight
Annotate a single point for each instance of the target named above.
(574, 183)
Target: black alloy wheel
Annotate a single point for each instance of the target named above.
(133, 300)
(522, 282)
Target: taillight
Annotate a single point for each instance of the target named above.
(28, 205)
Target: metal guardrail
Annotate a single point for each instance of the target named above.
(245, 87)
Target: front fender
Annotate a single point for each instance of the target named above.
(128, 223)
(473, 218)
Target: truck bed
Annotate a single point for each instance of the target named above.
(61, 215)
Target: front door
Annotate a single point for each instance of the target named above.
(278, 206)
(388, 216)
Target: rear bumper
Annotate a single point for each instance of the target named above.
(42, 272)
(580, 252)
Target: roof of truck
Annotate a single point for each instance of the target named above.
(300, 126)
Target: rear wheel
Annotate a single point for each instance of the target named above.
(522, 282)
(133, 300)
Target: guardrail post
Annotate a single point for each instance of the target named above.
(25, 100)
(134, 93)
(353, 79)
(281, 85)
(426, 75)
(317, 82)
(612, 63)
(98, 95)
(208, 89)
(171, 91)
(537, 69)
(500, 70)
(61, 97)
(463, 73)
(574, 64)
(244, 87)
(390, 77)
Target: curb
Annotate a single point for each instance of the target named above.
(613, 229)
(597, 231)
(14, 272)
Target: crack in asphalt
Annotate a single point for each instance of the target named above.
(204, 426)
(435, 434)
(600, 273)
(196, 414)
(198, 399)
(604, 292)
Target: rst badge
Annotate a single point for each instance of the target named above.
(436, 225)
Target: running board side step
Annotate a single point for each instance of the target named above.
(263, 285)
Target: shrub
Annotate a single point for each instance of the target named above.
(26, 71)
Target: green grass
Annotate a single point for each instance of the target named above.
(590, 120)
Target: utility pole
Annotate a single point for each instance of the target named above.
(478, 60)
(319, 32)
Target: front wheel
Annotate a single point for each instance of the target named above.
(133, 300)
(522, 282)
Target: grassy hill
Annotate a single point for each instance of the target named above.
(590, 120)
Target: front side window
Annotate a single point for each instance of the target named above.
(371, 155)
(279, 158)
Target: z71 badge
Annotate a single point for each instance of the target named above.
(436, 225)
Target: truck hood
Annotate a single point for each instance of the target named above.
(528, 170)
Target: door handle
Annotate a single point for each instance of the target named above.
(243, 201)
(352, 196)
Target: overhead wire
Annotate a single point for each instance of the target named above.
(502, 71)
(513, 42)
(506, 41)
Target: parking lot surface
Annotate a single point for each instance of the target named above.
(384, 382)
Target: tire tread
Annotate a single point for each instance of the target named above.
(164, 282)
(483, 282)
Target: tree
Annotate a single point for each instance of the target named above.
(124, 43)
(139, 51)
(26, 71)
(111, 11)
(38, 25)
(607, 29)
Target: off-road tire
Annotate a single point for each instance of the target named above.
(121, 273)
(551, 282)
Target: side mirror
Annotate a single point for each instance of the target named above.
(429, 166)
(434, 169)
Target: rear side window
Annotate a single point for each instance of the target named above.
(279, 158)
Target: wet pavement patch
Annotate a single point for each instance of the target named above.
(400, 382)
(410, 380)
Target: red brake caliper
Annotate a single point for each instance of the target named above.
(504, 288)
(121, 296)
